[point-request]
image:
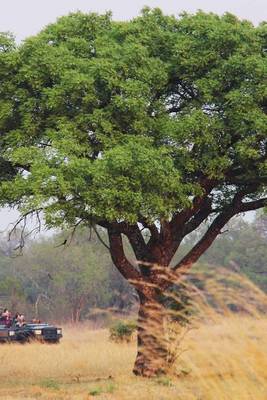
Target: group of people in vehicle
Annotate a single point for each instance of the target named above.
(17, 320)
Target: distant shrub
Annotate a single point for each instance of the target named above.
(100, 390)
(95, 392)
(50, 384)
(164, 381)
(122, 331)
(110, 388)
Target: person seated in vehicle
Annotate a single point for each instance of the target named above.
(3, 315)
(36, 321)
(6, 318)
(21, 320)
(15, 319)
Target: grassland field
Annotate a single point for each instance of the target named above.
(224, 359)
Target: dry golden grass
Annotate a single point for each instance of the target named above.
(225, 359)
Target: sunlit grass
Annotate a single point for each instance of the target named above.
(225, 359)
(222, 357)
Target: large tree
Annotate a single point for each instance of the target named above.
(153, 125)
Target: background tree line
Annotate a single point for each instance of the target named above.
(77, 281)
(63, 282)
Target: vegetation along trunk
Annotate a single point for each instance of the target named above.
(152, 275)
(152, 352)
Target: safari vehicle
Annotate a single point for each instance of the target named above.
(44, 333)
(6, 334)
(13, 334)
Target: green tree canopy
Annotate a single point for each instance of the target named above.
(126, 120)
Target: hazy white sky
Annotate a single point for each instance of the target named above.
(27, 17)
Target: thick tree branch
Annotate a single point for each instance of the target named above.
(118, 257)
(132, 232)
(198, 218)
(215, 228)
(204, 243)
(137, 241)
(241, 181)
(179, 219)
(253, 205)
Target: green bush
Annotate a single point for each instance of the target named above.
(122, 331)
(50, 384)
(95, 392)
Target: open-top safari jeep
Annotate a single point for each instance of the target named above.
(31, 331)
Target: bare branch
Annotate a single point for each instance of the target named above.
(23, 235)
(62, 244)
(74, 229)
(99, 237)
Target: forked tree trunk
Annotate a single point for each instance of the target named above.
(75, 315)
(164, 241)
(152, 351)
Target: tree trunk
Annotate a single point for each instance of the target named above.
(75, 315)
(36, 307)
(152, 351)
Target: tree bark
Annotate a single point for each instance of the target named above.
(152, 353)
